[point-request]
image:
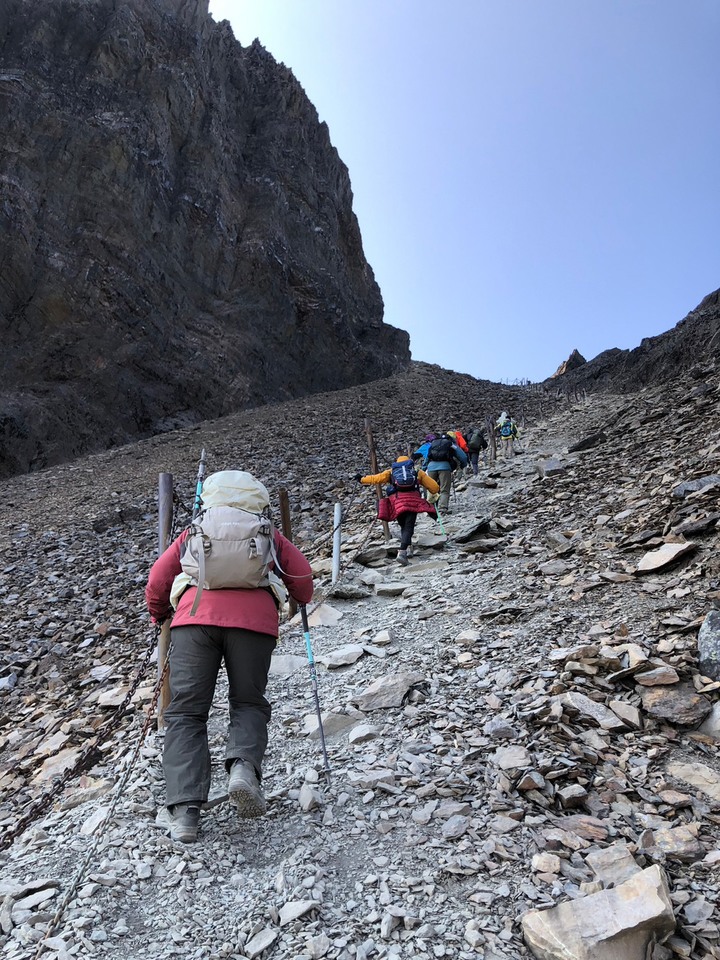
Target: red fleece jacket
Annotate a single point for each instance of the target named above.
(248, 609)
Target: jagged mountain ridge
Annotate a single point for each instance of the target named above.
(177, 237)
(695, 340)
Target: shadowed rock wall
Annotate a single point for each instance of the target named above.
(176, 231)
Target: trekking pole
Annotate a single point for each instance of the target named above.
(313, 677)
(199, 485)
(165, 523)
(439, 518)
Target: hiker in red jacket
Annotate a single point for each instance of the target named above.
(404, 502)
(237, 625)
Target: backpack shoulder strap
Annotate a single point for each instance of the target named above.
(201, 579)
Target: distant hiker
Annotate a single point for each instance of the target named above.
(236, 621)
(507, 431)
(477, 443)
(459, 440)
(442, 455)
(422, 451)
(404, 502)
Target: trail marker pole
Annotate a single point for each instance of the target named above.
(337, 521)
(165, 515)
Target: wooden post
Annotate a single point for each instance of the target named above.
(286, 525)
(492, 446)
(374, 468)
(165, 515)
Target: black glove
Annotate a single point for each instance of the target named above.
(358, 477)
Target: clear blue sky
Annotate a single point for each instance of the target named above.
(529, 176)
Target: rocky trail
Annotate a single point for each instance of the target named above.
(516, 720)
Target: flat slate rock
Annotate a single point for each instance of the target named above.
(666, 555)
(342, 657)
(387, 692)
(678, 704)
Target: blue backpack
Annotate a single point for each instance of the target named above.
(507, 429)
(403, 476)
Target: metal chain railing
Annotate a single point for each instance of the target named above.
(100, 829)
(87, 759)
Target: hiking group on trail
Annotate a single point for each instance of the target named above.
(223, 581)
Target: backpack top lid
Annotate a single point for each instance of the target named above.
(235, 488)
(442, 449)
(403, 475)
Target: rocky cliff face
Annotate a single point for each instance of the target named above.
(694, 341)
(176, 231)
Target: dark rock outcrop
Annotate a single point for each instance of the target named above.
(692, 345)
(575, 360)
(176, 231)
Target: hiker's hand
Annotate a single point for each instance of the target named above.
(358, 477)
(433, 497)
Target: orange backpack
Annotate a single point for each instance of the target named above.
(459, 439)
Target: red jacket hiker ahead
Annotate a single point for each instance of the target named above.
(404, 505)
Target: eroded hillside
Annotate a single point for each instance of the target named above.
(509, 717)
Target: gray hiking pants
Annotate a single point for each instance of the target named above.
(444, 479)
(197, 653)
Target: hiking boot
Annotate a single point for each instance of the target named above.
(409, 552)
(245, 790)
(180, 821)
(402, 558)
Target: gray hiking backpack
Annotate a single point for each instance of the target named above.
(228, 547)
